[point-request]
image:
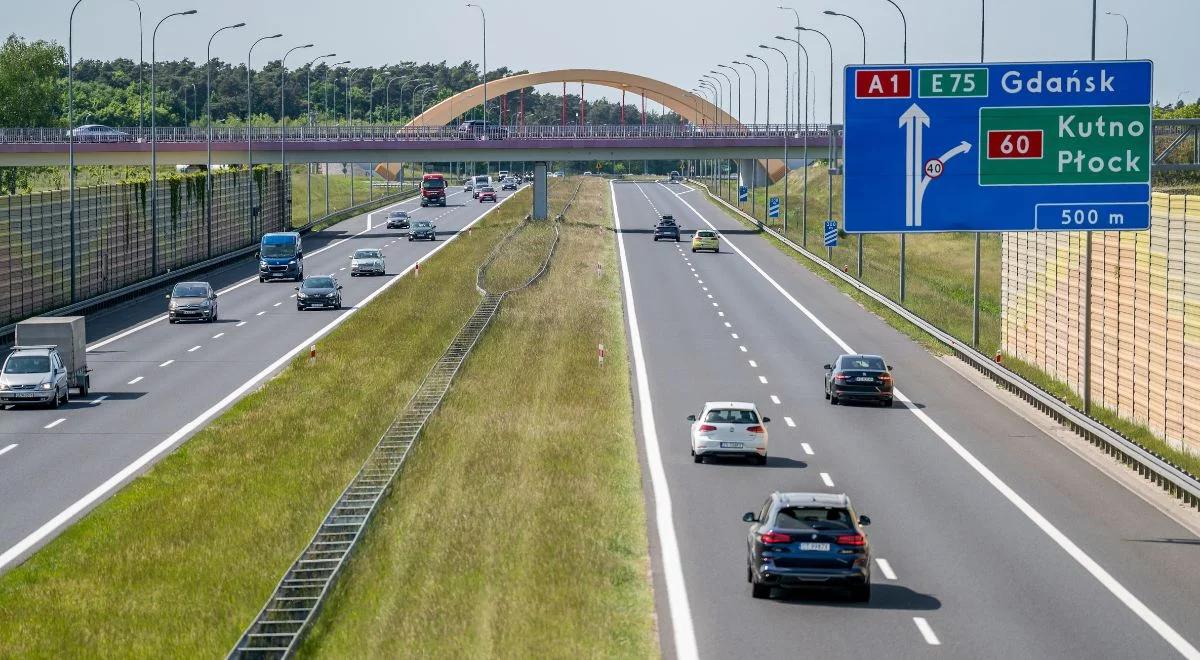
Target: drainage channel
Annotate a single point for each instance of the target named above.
(280, 626)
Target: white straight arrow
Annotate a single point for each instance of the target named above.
(915, 121)
(962, 148)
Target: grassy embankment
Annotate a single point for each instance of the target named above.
(939, 290)
(517, 529)
(179, 562)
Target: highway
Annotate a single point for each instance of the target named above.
(154, 384)
(989, 537)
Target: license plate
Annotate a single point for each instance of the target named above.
(731, 445)
(27, 395)
(815, 547)
(865, 379)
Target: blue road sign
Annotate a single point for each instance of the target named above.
(743, 194)
(831, 232)
(998, 147)
(773, 207)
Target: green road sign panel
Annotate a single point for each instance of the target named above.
(962, 83)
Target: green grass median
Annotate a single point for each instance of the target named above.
(180, 561)
(517, 528)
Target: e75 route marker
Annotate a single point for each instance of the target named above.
(1057, 146)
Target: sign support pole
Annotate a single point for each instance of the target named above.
(1087, 284)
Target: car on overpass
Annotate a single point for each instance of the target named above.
(192, 301)
(807, 540)
(487, 194)
(480, 129)
(319, 291)
(398, 220)
(731, 429)
(98, 133)
(666, 229)
(859, 378)
(706, 239)
(367, 261)
(423, 230)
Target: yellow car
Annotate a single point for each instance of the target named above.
(705, 239)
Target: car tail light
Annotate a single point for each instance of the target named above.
(887, 378)
(756, 429)
(841, 378)
(852, 539)
(705, 428)
(775, 537)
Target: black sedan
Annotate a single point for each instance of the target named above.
(666, 229)
(859, 378)
(808, 540)
(319, 291)
(422, 229)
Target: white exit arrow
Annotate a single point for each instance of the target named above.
(915, 121)
(962, 148)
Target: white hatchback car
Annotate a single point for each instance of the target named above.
(729, 428)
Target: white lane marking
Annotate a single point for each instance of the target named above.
(734, 335)
(135, 381)
(826, 478)
(167, 363)
(886, 568)
(716, 305)
(193, 349)
(260, 313)
(720, 313)
(292, 296)
(238, 285)
(742, 349)
(277, 304)
(926, 631)
(63, 517)
(789, 421)
(98, 399)
(218, 335)
(808, 450)
(342, 268)
(699, 281)
(774, 399)
(55, 423)
(1135, 605)
(753, 364)
(681, 615)
(728, 324)
(762, 379)
(696, 275)
(710, 295)
(8, 448)
(240, 324)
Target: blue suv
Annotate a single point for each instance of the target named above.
(805, 540)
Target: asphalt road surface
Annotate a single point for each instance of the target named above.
(990, 538)
(155, 384)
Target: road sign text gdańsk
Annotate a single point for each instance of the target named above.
(998, 147)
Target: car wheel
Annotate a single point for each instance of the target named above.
(676, 239)
(66, 395)
(759, 590)
(655, 239)
(410, 238)
(693, 250)
(55, 402)
(261, 280)
(697, 458)
(299, 308)
(716, 250)
(172, 321)
(826, 393)
(890, 403)
(833, 400)
(760, 460)
(861, 593)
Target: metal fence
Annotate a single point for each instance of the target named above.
(116, 241)
(1145, 315)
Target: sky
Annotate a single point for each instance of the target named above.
(675, 41)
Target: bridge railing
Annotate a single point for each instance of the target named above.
(392, 133)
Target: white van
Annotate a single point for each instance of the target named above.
(480, 181)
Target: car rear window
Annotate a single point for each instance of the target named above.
(813, 518)
(367, 254)
(318, 283)
(731, 416)
(871, 363)
(706, 234)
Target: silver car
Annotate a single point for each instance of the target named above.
(192, 301)
(34, 375)
(367, 261)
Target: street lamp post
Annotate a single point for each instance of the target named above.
(350, 120)
(208, 132)
(141, 68)
(387, 97)
(861, 237)
(800, 49)
(786, 81)
(250, 130)
(720, 96)
(739, 88)
(483, 15)
(71, 136)
(711, 89)
(154, 142)
(311, 121)
(832, 137)
(1126, 20)
(327, 106)
(903, 235)
(753, 71)
(283, 171)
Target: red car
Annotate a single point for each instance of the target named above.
(487, 195)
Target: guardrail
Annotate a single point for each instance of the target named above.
(139, 288)
(240, 134)
(1170, 477)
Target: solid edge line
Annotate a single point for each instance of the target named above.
(677, 601)
(137, 328)
(1135, 605)
(113, 482)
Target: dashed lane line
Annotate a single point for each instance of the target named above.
(753, 364)
(775, 399)
(193, 349)
(808, 450)
(167, 363)
(98, 399)
(218, 335)
(926, 631)
(827, 479)
(55, 423)
(9, 448)
(789, 421)
(135, 381)
(885, 568)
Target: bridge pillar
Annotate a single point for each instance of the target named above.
(751, 173)
(541, 198)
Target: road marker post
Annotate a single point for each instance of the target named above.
(600, 352)
(416, 269)
(312, 354)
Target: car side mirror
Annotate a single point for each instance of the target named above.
(691, 418)
(889, 367)
(749, 517)
(296, 288)
(864, 520)
(257, 254)
(300, 255)
(828, 367)
(339, 287)
(766, 420)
